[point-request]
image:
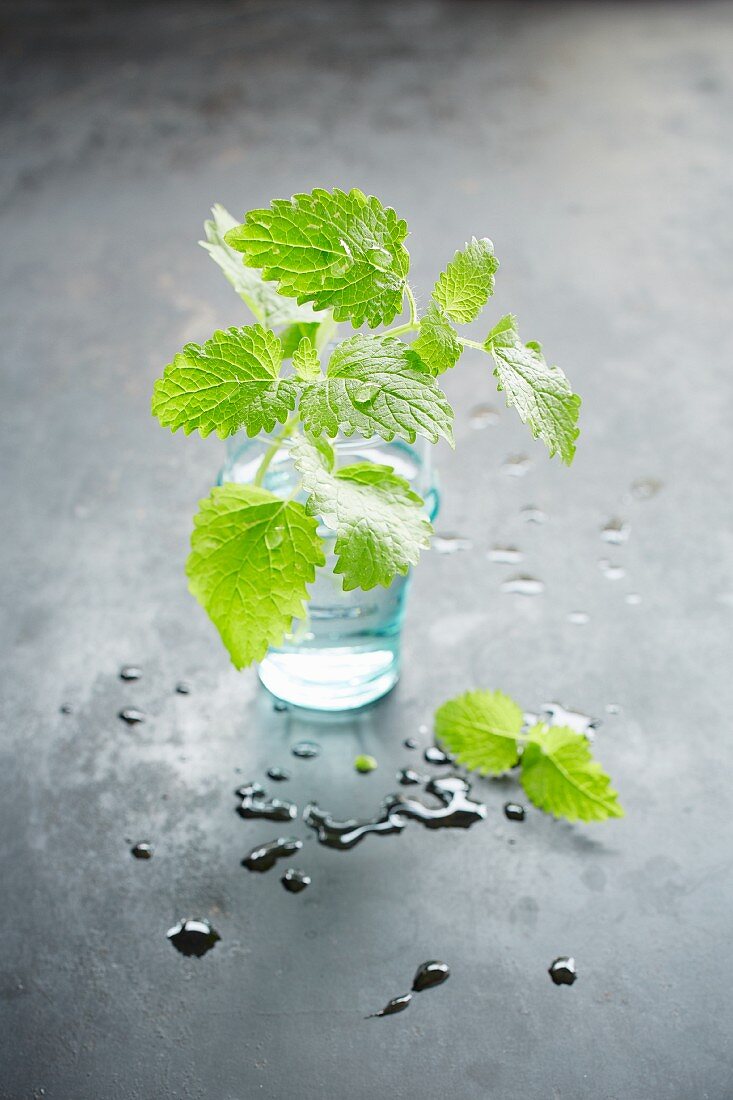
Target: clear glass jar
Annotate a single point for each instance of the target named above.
(346, 653)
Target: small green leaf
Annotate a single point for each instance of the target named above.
(305, 361)
(541, 394)
(463, 289)
(252, 555)
(437, 343)
(560, 776)
(379, 523)
(228, 383)
(337, 250)
(482, 730)
(268, 307)
(291, 336)
(376, 385)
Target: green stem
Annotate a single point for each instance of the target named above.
(471, 343)
(274, 448)
(409, 326)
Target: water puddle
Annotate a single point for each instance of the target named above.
(255, 803)
(522, 585)
(555, 714)
(193, 937)
(295, 881)
(265, 856)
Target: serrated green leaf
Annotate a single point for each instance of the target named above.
(305, 361)
(376, 385)
(463, 289)
(437, 343)
(252, 555)
(340, 251)
(541, 394)
(228, 383)
(560, 776)
(268, 307)
(379, 523)
(482, 730)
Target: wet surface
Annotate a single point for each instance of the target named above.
(193, 937)
(592, 144)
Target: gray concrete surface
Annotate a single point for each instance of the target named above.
(592, 143)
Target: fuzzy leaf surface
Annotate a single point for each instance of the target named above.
(465, 286)
(231, 381)
(252, 555)
(376, 385)
(338, 250)
(560, 776)
(541, 394)
(481, 729)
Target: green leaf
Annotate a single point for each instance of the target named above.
(252, 555)
(305, 361)
(379, 524)
(541, 394)
(379, 385)
(463, 289)
(228, 383)
(268, 307)
(482, 729)
(560, 776)
(437, 343)
(337, 250)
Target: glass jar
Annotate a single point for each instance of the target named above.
(346, 652)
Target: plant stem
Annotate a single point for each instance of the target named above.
(471, 343)
(274, 448)
(409, 326)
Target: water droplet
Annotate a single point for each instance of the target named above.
(578, 618)
(644, 488)
(294, 881)
(616, 531)
(305, 750)
(532, 514)
(562, 970)
(142, 850)
(610, 571)
(193, 937)
(516, 465)
(514, 811)
(397, 1004)
(435, 755)
(183, 688)
(365, 764)
(132, 716)
(410, 743)
(256, 804)
(279, 706)
(633, 598)
(364, 393)
(379, 258)
(130, 672)
(505, 555)
(522, 585)
(450, 544)
(274, 536)
(481, 416)
(429, 974)
(344, 835)
(406, 777)
(613, 708)
(266, 855)
(278, 774)
(66, 708)
(555, 714)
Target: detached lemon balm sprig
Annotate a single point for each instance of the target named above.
(303, 266)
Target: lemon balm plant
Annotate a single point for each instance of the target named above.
(310, 398)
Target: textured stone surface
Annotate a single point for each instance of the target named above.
(592, 143)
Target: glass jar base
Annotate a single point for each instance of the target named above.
(331, 679)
